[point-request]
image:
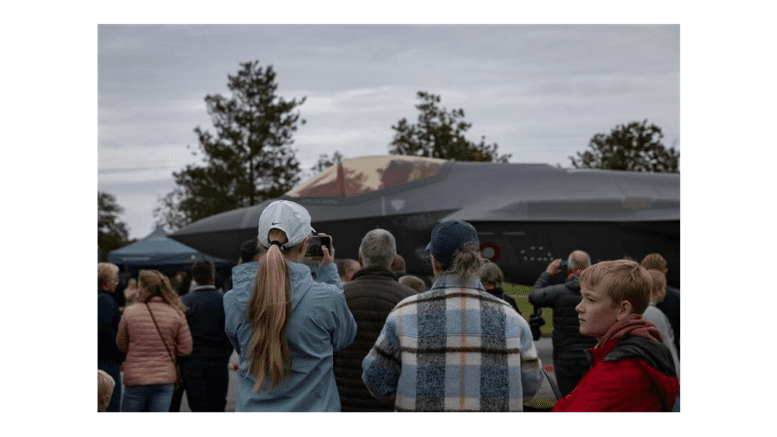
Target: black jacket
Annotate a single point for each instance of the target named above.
(568, 342)
(498, 292)
(108, 317)
(205, 315)
(371, 295)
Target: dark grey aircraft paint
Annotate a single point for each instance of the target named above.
(526, 214)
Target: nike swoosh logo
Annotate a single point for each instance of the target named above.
(276, 224)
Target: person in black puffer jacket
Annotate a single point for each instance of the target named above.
(569, 345)
(371, 295)
(492, 278)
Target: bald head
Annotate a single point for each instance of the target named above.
(578, 260)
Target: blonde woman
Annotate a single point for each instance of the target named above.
(285, 326)
(105, 385)
(152, 331)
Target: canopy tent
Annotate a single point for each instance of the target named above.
(159, 252)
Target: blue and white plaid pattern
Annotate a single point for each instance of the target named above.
(454, 348)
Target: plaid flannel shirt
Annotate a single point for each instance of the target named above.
(454, 348)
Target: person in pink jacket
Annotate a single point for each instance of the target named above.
(152, 332)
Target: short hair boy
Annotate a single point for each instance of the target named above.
(631, 369)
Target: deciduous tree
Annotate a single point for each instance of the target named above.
(112, 233)
(634, 147)
(440, 134)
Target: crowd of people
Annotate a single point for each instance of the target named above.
(360, 334)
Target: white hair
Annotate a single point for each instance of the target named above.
(378, 249)
(572, 261)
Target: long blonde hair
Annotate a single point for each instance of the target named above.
(269, 310)
(153, 283)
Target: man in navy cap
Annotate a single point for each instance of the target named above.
(455, 347)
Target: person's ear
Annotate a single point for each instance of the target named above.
(624, 309)
(435, 266)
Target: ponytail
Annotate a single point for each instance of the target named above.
(466, 263)
(269, 309)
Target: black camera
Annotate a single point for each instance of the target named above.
(535, 322)
(564, 267)
(315, 244)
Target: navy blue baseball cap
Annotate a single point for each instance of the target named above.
(447, 238)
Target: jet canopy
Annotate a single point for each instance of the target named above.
(366, 174)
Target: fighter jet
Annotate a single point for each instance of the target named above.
(526, 215)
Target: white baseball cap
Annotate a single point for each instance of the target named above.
(291, 218)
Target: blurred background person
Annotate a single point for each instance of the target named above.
(398, 266)
(413, 282)
(152, 332)
(105, 385)
(131, 291)
(569, 345)
(658, 317)
(284, 326)
(109, 357)
(249, 251)
(492, 278)
(184, 280)
(346, 269)
(670, 306)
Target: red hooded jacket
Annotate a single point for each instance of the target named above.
(631, 371)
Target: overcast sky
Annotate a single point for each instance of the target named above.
(539, 91)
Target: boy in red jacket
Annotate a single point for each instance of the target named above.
(631, 369)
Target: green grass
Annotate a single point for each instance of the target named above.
(521, 295)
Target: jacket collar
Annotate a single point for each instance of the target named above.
(446, 280)
(573, 283)
(375, 273)
(203, 287)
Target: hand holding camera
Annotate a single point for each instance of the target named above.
(556, 266)
(320, 249)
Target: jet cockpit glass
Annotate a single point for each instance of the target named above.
(358, 176)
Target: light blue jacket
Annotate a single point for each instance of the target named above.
(320, 324)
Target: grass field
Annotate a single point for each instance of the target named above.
(521, 295)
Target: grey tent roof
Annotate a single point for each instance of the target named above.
(158, 250)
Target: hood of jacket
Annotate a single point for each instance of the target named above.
(633, 324)
(636, 338)
(244, 275)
